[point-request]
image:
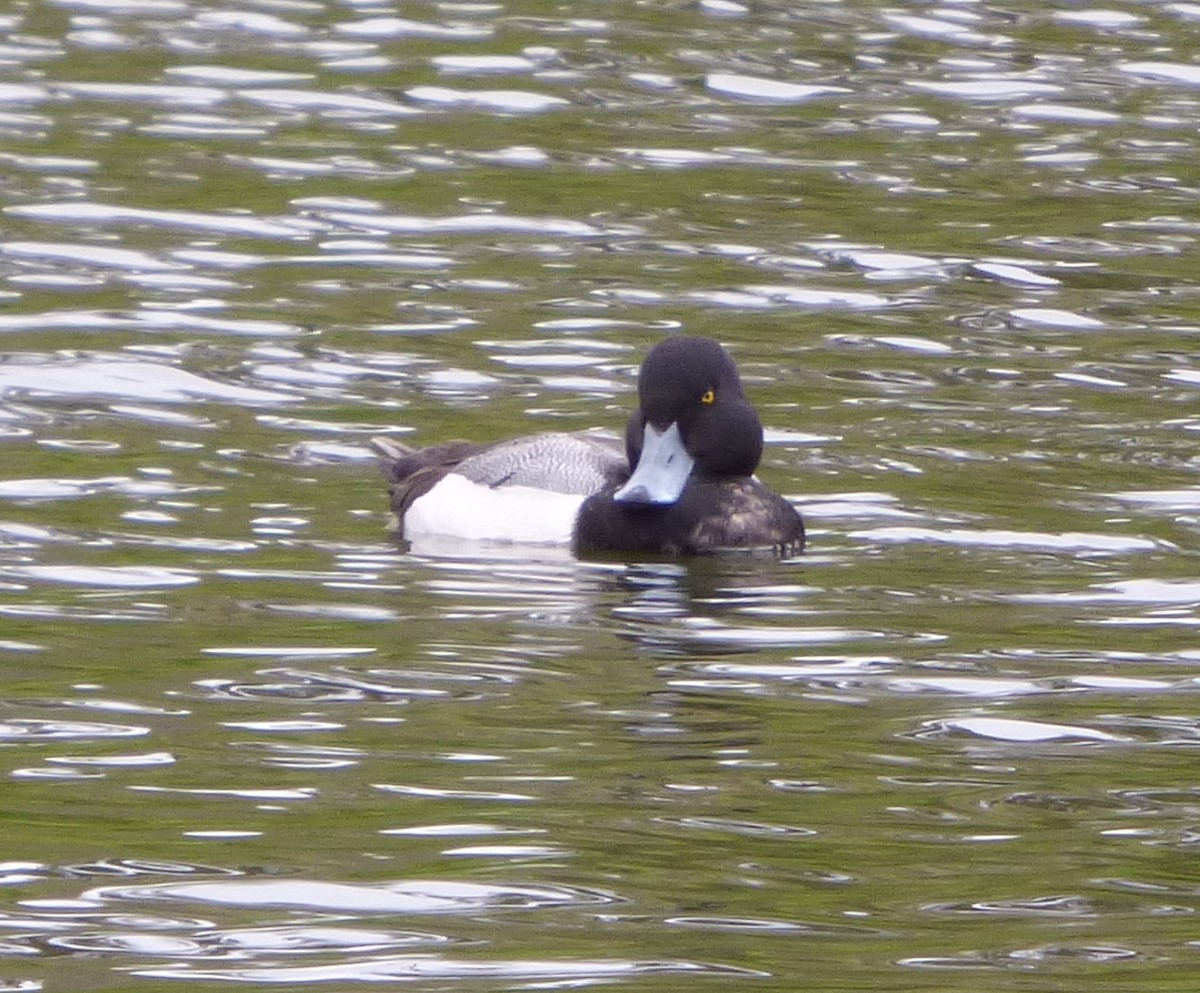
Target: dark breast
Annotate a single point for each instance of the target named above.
(710, 517)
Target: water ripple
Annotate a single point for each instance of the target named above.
(481, 223)
(317, 896)
(1039, 907)
(111, 577)
(431, 967)
(76, 212)
(402, 27)
(1015, 730)
(1068, 542)
(341, 104)
(495, 101)
(127, 379)
(757, 88)
(748, 828)
(31, 729)
(952, 249)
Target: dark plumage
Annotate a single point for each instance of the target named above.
(710, 516)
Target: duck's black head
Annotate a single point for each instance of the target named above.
(693, 418)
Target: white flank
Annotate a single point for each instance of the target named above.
(458, 508)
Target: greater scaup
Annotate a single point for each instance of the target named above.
(684, 486)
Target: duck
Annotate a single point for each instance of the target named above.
(683, 485)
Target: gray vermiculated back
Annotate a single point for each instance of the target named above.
(563, 463)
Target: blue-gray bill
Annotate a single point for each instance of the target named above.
(662, 470)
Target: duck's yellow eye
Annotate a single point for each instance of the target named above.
(709, 397)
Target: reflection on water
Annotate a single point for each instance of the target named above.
(251, 740)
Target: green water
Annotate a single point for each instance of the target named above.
(249, 741)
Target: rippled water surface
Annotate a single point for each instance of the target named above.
(249, 741)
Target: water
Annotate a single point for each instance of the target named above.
(249, 741)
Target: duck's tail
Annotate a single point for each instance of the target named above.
(389, 449)
(399, 461)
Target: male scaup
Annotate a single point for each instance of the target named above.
(685, 485)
